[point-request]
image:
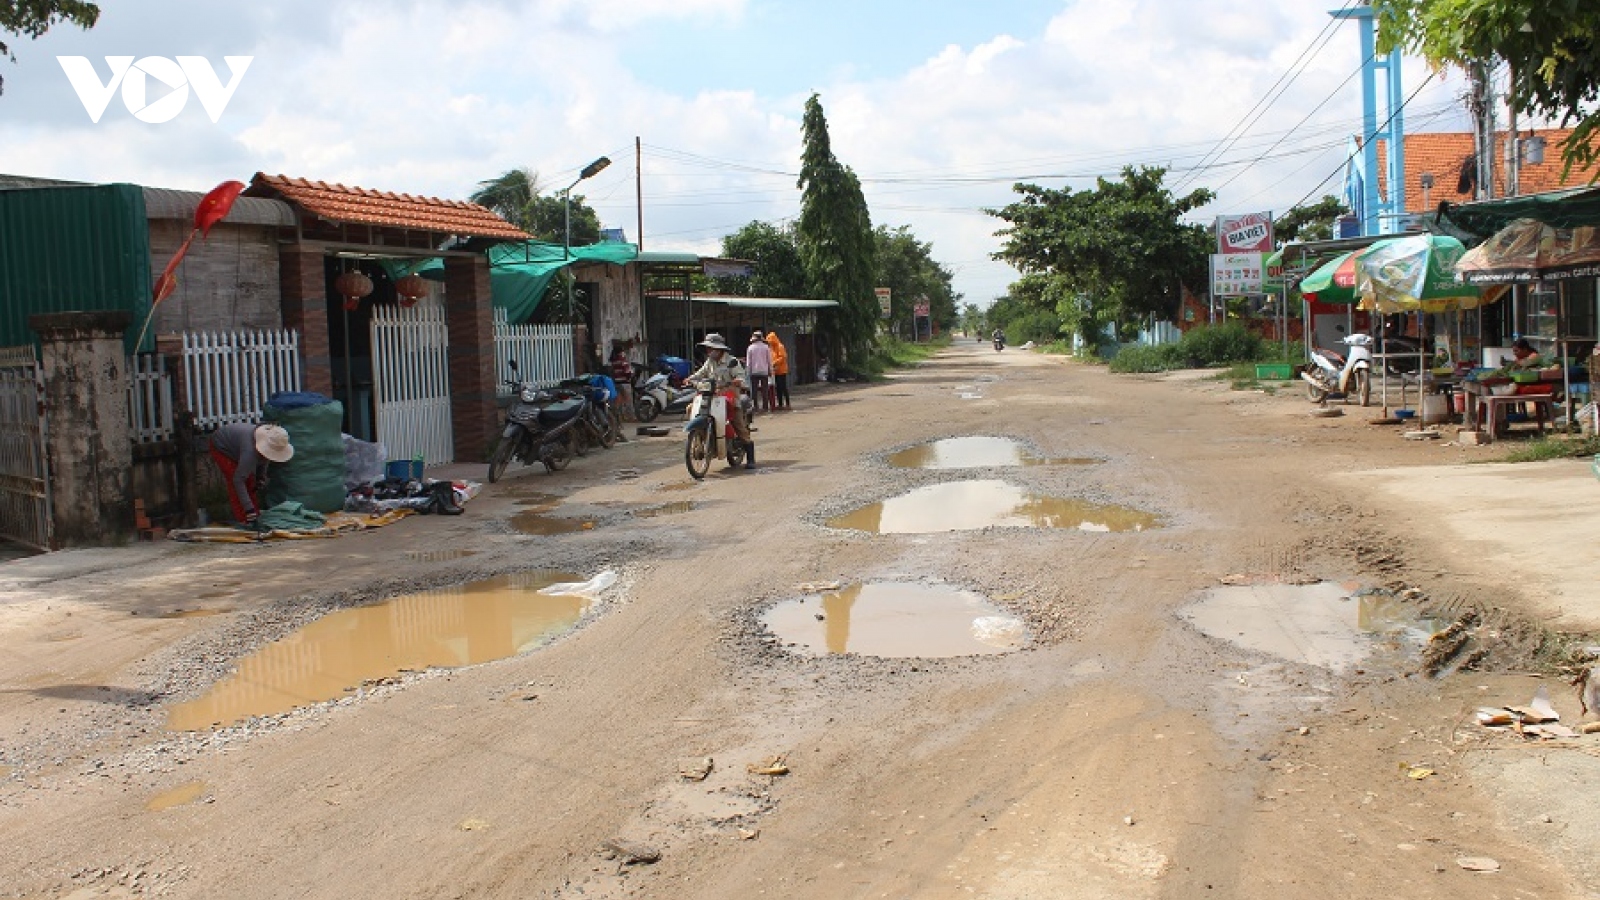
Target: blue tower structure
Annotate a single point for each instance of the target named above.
(1378, 215)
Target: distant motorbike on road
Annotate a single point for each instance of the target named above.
(708, 424)
(999, 342)
(657, 396)
(1330, 372)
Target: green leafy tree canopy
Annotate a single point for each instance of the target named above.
(1309, 222)
(517, 196)
(834, 234)
(775, 254)
(32, 18)
(1552, 46)
(907, 268)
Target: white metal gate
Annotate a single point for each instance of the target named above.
(24, 471)
(411, 382)
(543, 353)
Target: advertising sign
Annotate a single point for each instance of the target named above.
(1250, 233)
(883, 300)
(1235, 274)
(922, 309)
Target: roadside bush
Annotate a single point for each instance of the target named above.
(1142, 358)
(1215, 345)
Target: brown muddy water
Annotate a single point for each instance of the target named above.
(666, 509)
(178, 796)
(975, 452)
(537, 523)
(970, 505)
(1320, 624)
(196, 613)
(895, 619)
(439, 555)
(454, 626)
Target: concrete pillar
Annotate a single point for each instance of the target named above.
(303, 285)
(469, 316)
(90, 437)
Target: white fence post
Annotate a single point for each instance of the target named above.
(150, 398)
(544, 353)
(228, 376)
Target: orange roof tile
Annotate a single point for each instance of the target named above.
(1442, 154)
(338, 203)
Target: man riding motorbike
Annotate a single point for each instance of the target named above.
(724, 371)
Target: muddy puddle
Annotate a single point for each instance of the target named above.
(970, 505)
(975, 452)
(535, 522)
(1322, 624)
(196, 613)
(454, 626)
(677, 508)
(178, 796)
(895, 619)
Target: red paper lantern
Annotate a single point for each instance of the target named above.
(352, 286)
(411, 289)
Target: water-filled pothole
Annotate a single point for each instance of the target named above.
(895, 619)
(968, 505)
(675, 508)
(178, 796)
(202, 613)
(439, 555)
(537, 523)
(1317, 624)
(454, 626)
(975, 452)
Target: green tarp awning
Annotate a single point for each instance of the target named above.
(520, 273)
(1574, 208)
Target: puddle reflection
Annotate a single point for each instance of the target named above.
(895, 619)
(973, 453)
(455, 626)
(667, 509)
(178, 796)
(969, 505)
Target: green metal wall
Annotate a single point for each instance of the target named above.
(67, 249)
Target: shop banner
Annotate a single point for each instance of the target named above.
(1236, 274)
(1250, 233)
(883, 300)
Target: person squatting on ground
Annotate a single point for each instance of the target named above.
(242, 451)
(778, 391)
(723, 370)
(758, 362)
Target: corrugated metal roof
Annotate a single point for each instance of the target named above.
(71, 249)
(167, 203)
(338, 203)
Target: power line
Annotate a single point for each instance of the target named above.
(1348, 157)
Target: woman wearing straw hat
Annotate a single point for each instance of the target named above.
(724, 370)
(242, 451)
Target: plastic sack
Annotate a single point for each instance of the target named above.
(297, 399)
(363, 462)
(315, 475)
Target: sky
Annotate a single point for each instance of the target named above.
(939, 108)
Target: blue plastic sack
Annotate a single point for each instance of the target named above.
(297, 399)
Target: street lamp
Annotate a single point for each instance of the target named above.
(589, 171)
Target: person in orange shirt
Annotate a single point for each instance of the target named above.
(778, 391)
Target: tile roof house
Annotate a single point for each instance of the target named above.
(355, 205)
(1448, 157)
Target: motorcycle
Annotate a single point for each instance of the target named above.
(1332, 373)
(548, 427)
(999, 344)
(657, 396)
(708, 423)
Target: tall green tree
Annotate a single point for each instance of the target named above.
(834, 234)
(32, 18)
(1309, 222)
(517, 196)
(1552, 47)
(775, 254)
(906, 266)
(1123, 244)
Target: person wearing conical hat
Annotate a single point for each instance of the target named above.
(724, 370)
(242, 451)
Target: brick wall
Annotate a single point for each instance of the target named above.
(304, 305)
(470, 318)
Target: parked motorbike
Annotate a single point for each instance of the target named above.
(708, 424)
(1330, 372)
(657, 396)
(548, 427)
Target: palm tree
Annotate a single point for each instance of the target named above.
(511, 195)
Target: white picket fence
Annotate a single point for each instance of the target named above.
(150, 398)
(228, 376)
(411, 382)
(544, 353)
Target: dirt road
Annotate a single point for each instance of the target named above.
(1120, 752)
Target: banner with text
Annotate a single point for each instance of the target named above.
(1251, 233)
(1235, 274)
(883, 300)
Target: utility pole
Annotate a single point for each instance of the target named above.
(638, 190)
(1483, 129)
(1513, 141)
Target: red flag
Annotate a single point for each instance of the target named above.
(168, 280)
(214, 206)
